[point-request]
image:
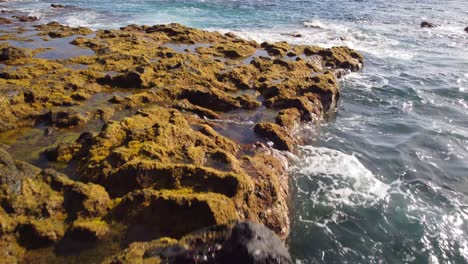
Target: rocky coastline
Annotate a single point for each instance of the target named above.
(152, 143)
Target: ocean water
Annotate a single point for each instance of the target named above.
(385, 178)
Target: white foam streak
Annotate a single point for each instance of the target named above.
(353, 184)
(343, 183)
(328, 34)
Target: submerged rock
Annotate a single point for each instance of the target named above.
(427, 24)
(26, 18)
(62, 118)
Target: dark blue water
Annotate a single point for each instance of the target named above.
(385, 179)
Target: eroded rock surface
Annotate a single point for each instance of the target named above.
(39, 207)
(165, 131)
(234, 242)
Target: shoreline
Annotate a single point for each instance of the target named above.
(166, 128)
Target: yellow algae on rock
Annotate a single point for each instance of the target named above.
(173, 122)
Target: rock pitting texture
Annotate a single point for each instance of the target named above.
(164, 163)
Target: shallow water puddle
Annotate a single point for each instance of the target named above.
(29, 143)
(77, 66)
(181, 48)
(257, 53)
(56, 48)
(238, 124)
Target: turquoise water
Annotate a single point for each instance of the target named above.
(385, 179)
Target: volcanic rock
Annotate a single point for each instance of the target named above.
(4, 21)
(235, 242)
(172, 153)
(57, 6)
(276, 134)
(427, 24)
(26, 18)
(13, 53)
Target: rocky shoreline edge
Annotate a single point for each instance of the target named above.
(146, 134)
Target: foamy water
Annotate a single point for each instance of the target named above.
(385, 178)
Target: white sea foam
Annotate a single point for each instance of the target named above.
(328, 34)
(344, 182)
(365, 81)
(352, 183)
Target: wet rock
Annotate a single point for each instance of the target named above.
(8, 53)
(338, 57)
(89, 230)
(139, 78)
(321, 89)
(137, 175)
(12, 171)
(26, 18)
(248, 102)
(294, 35)
(6, 223)
(116, 99)
(57, 6)
(236, 51)
(276, 49)
(84, 200)
(203, 209)
(466, 29)
(179, 33)
(185, 105)
(105, 114)
(63, 152)
(241, 77)
(251, 242)
(57, 30)
(313, 25)
(213, 99)
(310, 107)
(235, 242)
(162, 170)
(273, 132)
(137, 252)
(36, 206)
(155, 142)
(80, 96)
(427, 24)
(4, 21)
(289, 118)
(61, 118)
(49, 131)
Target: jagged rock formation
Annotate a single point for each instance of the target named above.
(165, 159)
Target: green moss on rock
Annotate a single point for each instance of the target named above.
(175, 213)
